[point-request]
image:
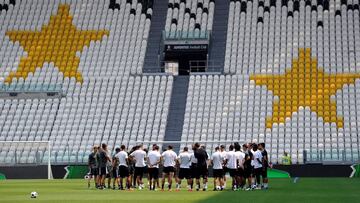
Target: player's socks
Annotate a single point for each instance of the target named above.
(205, 187)
(197, 187)
(177, 186)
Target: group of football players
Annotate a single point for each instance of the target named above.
(246, 165)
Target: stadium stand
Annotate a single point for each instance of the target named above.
(189, 19)
(291, 76)
(266, 41)
(264, 36)
(103, 101)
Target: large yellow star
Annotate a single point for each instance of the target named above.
(304, 85)
(57, 42)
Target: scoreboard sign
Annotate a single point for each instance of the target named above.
(186, 48)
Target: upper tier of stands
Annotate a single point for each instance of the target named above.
(189, 19)
(117, 47)
(265, 36)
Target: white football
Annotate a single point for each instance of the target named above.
(34, 194)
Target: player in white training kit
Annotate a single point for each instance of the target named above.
(240, 156)
(217, 162)
(123, 158)
(169, 158)
(140, 156)
(184, 160)
(258, 164)
(232, 165)
(154, 159)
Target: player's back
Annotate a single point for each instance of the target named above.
(217, 160)
(139, 156)
(240, 156)
(185, 159)
(231, 160)
(154, 158)
(169, 157)
(122, 158)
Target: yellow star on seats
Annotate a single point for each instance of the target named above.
(57, 42)
(304, 85)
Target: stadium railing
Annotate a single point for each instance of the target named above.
(186, 35)
(330, 157)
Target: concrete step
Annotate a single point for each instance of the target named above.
(219, 33)
(157, 26)
(175, 120)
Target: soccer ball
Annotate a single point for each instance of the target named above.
(34, 194)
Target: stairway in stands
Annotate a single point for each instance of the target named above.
(219, 33)
(175, 120)
(158, 19)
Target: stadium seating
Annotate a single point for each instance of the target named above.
(103, 101)
(291, 77)
(122, 45)
(264, 36)
(189, 19)
(265, 39)
(234, 108)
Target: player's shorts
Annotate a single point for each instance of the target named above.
(153, 173)
(202, 172)
(193, 171)
(233, 172)
(258, 171)
(94, 171)
(184, 173)
(103, 171)
(225, 170)
(123, 171)
(240, 172)
(168, 170)
(115, 172)
(139, 171)
(247, 173)
(218, 173)
(264, 172)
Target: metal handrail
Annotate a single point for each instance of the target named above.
(186, 35)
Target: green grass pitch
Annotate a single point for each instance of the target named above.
(282, 190)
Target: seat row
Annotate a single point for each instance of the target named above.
(233, 108)
(189, 19)
(117, 111)
(266, 41)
